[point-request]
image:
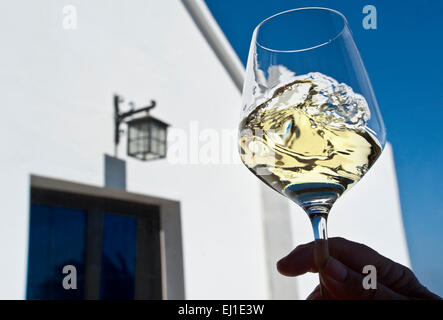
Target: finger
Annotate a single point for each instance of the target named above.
(298, 262)
(320, 294)
(356, 255)
(344, 283)
(302, 258)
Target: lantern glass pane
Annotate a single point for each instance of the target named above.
(132, 132)
(154, 146)
(155, 130)
(145, 145)
(139, 145)
(162, 150)
(163, 134)
(144, 130)
(132, 146)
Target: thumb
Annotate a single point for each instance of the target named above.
(344, 283)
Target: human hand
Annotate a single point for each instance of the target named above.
(342, 276)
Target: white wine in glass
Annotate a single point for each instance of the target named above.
(310, 125)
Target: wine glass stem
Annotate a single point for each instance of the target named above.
(321, 252)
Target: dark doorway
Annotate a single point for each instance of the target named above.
(113, 244)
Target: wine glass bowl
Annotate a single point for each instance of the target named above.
(310, 123)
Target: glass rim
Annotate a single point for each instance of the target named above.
(345, 25)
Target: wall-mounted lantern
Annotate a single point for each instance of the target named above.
(146, 134)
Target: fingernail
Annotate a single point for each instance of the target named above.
(335, 270)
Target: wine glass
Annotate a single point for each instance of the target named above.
(310, 123)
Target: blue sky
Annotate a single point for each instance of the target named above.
(403, 57)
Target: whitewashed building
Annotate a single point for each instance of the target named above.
(218, 231)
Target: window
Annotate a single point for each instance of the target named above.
(113, 244)
(57, 239)
(118, 257)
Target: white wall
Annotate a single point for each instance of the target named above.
(57, 88)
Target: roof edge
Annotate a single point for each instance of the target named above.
(213, 34)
